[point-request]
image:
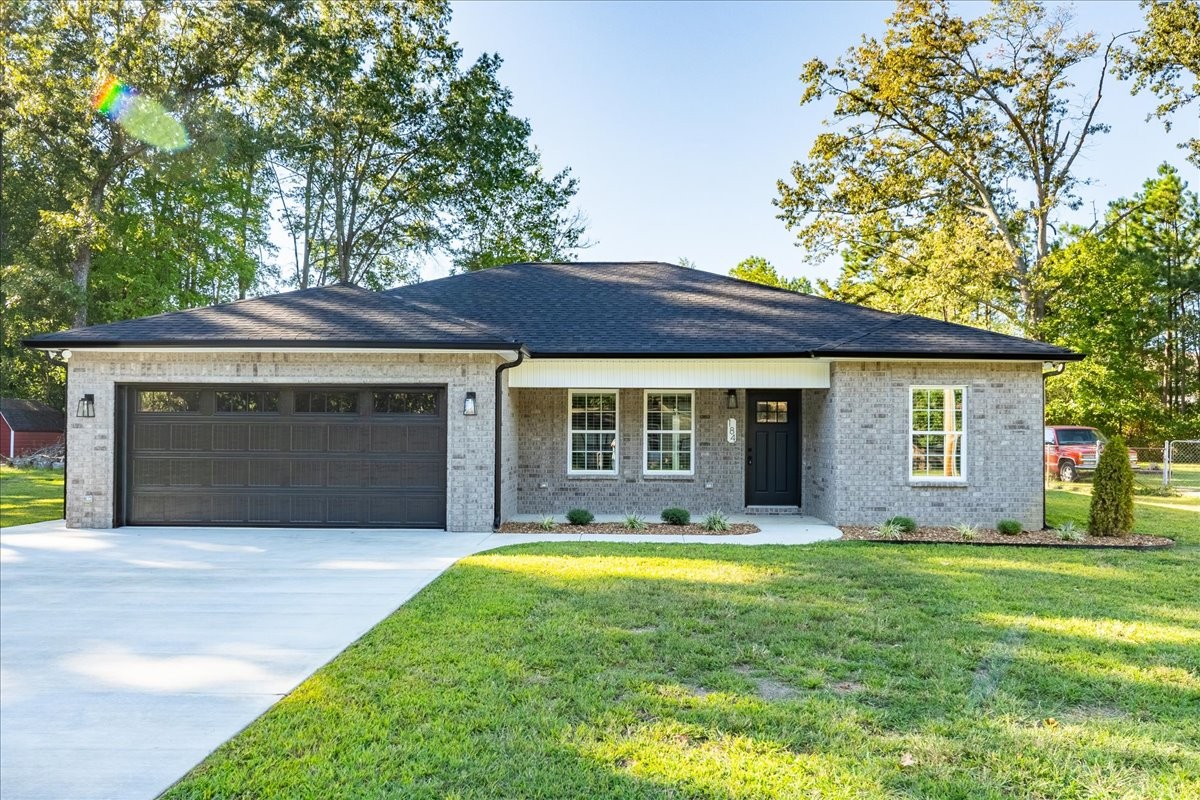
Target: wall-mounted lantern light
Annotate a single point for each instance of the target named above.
(731, 398)
(87, 406)
(469, 404)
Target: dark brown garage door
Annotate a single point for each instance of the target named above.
(303, 456)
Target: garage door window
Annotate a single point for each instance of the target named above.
(326, 402)
(161, 402)
(247, 402)
(406, 403)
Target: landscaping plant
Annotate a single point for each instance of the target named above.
(634, 523)
(676, 516)
(546, 523)
(1009, 527)
(1068, 532)
(1111, 512)
(905, 524)
(715, 522)
(890, 530)
(579, 516)
(966, 532)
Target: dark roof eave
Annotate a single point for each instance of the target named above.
(1057, 355)
(930, 356)
(283, 344)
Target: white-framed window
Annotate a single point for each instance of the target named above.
(938, 434)
(592, 432)
(670, 432)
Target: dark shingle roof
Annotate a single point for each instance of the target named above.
(578, 309)
(327, 316)
(651, 308)
(31, 415)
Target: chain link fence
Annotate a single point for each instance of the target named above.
(1181, 465)
(1157, 469)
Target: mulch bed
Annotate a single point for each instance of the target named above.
(652, 528)
(989, 537)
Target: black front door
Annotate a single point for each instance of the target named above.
(772, 448)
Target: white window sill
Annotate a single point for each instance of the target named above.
(669, 476)
(926, 483)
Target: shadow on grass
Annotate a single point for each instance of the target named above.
(612, 670)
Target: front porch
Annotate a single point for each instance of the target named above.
(640, 450)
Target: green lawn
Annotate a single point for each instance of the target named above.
(30, 495)
(840, 670)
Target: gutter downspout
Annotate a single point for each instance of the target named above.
(499, 438)
(1056, 369)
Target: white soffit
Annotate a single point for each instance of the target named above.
(670, 373)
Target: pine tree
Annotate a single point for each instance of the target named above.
(1111, 512)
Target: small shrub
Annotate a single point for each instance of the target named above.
(715, 522)
(676, 516)
(579, 516)
(1067, 532)
(968, 533)
(1009, 527)
(889, 530)
(634, 523)
(1155, 491)
(546, 523)
(905, 524)
(1111, 512)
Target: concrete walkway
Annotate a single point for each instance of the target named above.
(128, 655)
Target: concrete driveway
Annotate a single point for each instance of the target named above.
(128, 655)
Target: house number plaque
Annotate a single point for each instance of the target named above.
(731, 431)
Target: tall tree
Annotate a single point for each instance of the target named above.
(1129, 298)
(757, 269)
(950, 116)
(1166, 59)
(59, 51)
(389, 149)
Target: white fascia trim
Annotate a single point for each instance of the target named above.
(507, 354)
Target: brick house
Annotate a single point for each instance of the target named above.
(536, 388)
(27, 426)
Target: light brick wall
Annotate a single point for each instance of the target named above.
(470, 446)
(818, 446)
(510, 450)
(544, 486)
(861, 443)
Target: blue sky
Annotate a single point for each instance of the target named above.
(678, 118)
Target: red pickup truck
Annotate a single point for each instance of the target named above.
(1072, 449)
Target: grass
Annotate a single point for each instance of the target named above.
(30, 495)
(840, 670)
(1176, 517)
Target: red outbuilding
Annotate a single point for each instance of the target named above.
(27, 426)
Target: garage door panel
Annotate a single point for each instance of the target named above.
(229, 472)
(308, 472)
(268, 437)
(187, 472)
(191, 436)
(188, 508)
(254, 463)
(230, 436)
(308, 438)
(152, 472)
(230, 509)
(348, 438)
(307, 510)
(426, 439)
(411, 474)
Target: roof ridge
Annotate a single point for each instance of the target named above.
(872, 329)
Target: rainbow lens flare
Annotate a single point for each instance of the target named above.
(139, 116)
